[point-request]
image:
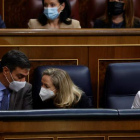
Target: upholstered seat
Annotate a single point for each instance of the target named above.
(96, 9)
(122, 82)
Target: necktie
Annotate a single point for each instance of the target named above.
(5, 102)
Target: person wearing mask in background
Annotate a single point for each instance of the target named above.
(2, 24)
(119, 14)
(59, 91)
(56, 15)
(15, 92)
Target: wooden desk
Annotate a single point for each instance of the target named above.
(70, 130)
(93, 48)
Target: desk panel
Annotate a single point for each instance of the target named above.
(70, 130)
(93, 48)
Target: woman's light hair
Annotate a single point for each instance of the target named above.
(68, 93)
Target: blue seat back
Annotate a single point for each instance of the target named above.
(122, 82)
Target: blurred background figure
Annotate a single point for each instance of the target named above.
(56, 15)
(119, 14)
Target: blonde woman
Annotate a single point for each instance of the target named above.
(58, 91)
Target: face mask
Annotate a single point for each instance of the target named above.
(116, 8)
(15, 85)
(51, 13)
(46, 94)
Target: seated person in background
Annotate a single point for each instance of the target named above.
(58, 91)
(136, 103)
(2, 24)
(56, 15)
(15, 92)
(119, 14)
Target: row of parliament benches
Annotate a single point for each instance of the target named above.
(79, 124)
(95, 49)
(122, 82)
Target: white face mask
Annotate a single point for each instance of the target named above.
(46, 94)
(16, 85)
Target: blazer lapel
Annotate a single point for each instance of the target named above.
(12, 100)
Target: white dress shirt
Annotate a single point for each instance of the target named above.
(136, 103)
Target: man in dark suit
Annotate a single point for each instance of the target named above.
(15, 92)
(2, 24)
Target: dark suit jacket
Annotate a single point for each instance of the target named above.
(99, 23)
(2, 24)
(22, 100)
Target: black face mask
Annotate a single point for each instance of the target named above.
(115, 8)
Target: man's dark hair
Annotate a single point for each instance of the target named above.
(13, 59)
(64, 16)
